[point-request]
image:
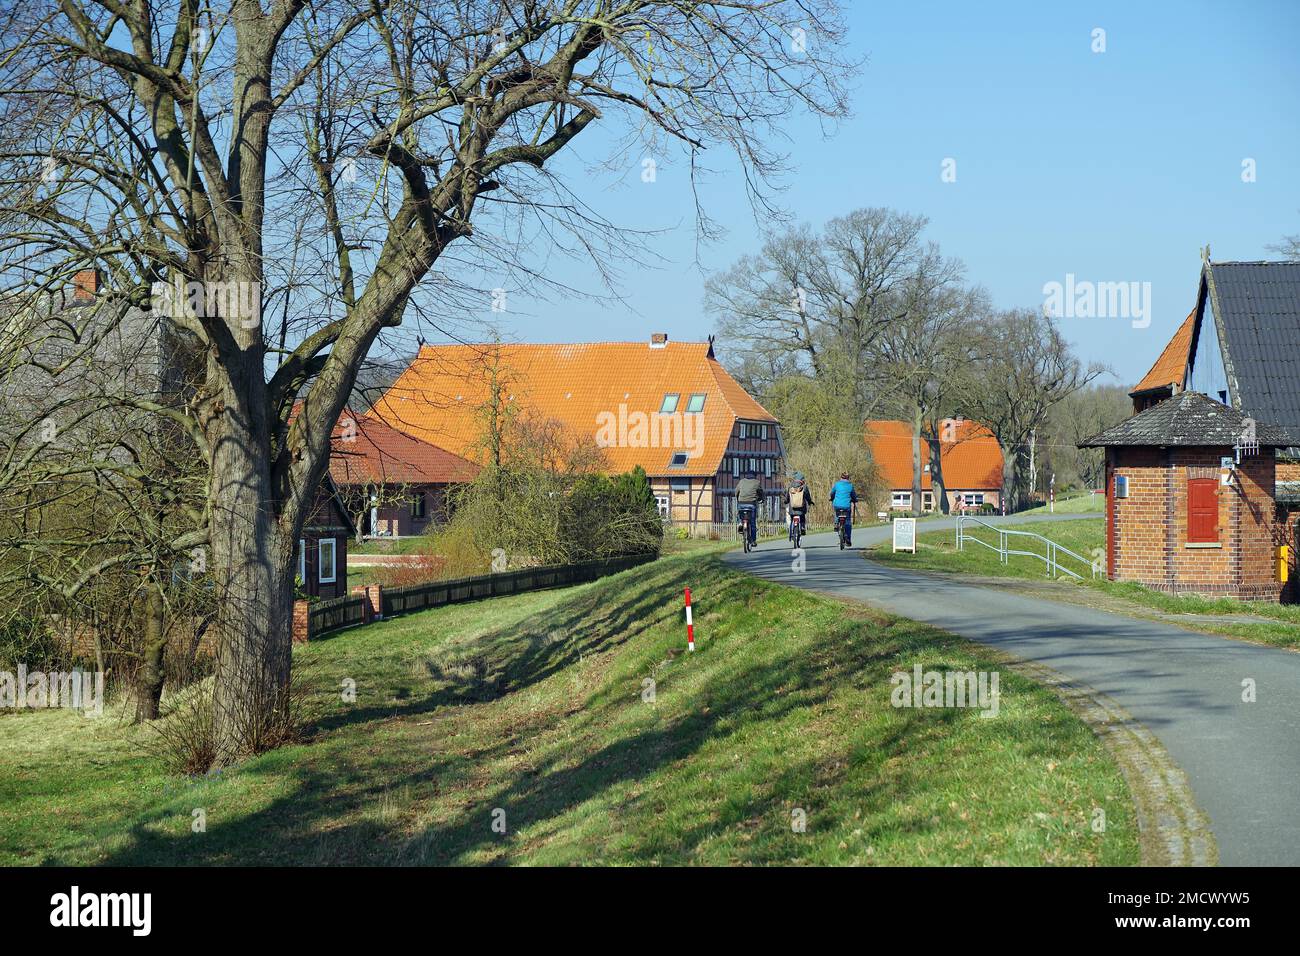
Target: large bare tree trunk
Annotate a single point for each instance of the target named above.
(916, 463)
(252, 561)
(937, 486)
(252, 553)
(149, 685)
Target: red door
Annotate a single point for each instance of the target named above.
(1202, 511)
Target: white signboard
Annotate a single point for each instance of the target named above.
(905, 534)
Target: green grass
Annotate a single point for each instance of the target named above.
(1075, 504)
(412, 544)
(534, 704)
(1265, 622)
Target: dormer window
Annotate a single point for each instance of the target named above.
(670, 403)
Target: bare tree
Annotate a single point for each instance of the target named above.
(926, 360)
(1027, 369)
(817, 303)
(215, 150)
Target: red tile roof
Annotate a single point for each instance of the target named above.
(364, 450)
(971, 461)
(1171, 366)
(440, 398)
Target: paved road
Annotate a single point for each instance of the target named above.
(1242, 760)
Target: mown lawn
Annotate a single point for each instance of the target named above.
(1074, 504)
(1261, 621)
(538, 706)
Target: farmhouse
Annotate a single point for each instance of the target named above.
(969, 456)
(1203, 483)
(669, 407)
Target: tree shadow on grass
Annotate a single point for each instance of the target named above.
(608, 615)
(335, 813)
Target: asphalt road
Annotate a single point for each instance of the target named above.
(1242, 759)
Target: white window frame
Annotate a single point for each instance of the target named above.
(900, 499)
(302, 561)
(972, 498)
(333, 566)
(664, 505)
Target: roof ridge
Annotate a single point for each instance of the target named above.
(1254, 262)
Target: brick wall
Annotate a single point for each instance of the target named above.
(1150, 531)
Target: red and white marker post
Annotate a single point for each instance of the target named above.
(690, 626)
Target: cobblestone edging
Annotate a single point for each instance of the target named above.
(1172, 829)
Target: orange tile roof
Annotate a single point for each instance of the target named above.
(1171, 366)
(973, 460)
(441, 397)
(373, 452)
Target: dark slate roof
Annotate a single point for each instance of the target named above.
(1189, 418)
(1258, 304)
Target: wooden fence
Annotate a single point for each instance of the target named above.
(325, 616)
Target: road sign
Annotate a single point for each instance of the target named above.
(905, 534)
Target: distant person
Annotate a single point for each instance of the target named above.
(843, 497)
(748, 494)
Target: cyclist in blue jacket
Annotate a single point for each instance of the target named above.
(843, 497)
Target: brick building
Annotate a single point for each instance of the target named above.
(1190, 503)
(1241, 347)
(391, 483)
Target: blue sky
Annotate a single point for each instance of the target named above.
(1114, 166)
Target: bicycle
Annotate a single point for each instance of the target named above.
(796, 528)
(841, 527)
(744, 530)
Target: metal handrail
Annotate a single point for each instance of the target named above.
(1003, 550)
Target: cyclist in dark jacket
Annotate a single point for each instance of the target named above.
(748, 494)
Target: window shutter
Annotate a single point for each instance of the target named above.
(1202, 510)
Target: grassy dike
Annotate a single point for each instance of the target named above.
(538, 705)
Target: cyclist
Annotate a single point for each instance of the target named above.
(748, 493)
(843, 497)
(798, 498)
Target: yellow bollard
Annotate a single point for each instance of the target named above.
(1282, 564)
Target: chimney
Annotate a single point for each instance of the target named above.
(659, 340)
(85, 285)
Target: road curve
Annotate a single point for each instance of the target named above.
(1242, 759)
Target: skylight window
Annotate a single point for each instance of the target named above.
(670, 403)
(695, 403)
(678, 460)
